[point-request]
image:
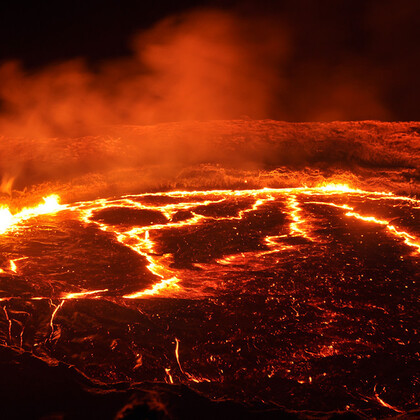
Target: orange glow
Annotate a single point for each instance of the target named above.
(8, 220)
(339, 206)
(189, 62)
(54, 313)
(163, 286)
(188, 375)
(370, 219)
(409, 240)
(385, 404)
(337, 188)
(272, 286)
(169, 281)
(80, 295)
(169, 376)
(177, 354)
(12, 266)
(9, 322)
(297, 224)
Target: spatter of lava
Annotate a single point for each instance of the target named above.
(288, 291)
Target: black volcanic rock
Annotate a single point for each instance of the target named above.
(35, 388)
(40, 388)
(126, 216)
(182, 215)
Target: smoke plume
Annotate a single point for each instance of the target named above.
(199, 65)
(76, 119)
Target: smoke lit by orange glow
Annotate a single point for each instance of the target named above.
(199, 65)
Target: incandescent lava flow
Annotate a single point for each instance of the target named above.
(302, 297)
(287, 295)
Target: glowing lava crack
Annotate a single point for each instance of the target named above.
(270, 294)
(140, 239)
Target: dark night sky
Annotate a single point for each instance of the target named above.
(335, 45)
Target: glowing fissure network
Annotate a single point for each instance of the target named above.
(296, 285)
(140, 241)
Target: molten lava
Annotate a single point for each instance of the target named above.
(139, 239)
(273, 289)
(11, 221)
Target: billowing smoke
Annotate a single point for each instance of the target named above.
(216, 155)
(200, 65)
(72, 120)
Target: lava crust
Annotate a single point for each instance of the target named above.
(287, 301)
